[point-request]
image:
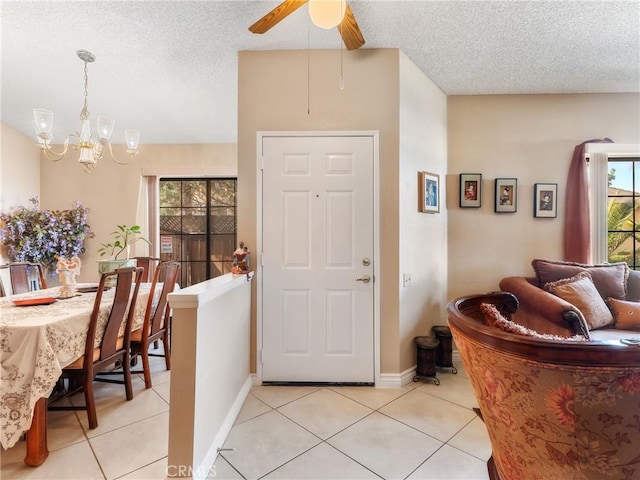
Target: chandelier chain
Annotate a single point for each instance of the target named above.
(84, 114)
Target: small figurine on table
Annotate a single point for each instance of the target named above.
(241, 259)
(67, 271)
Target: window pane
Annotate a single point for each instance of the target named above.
(175, 246)
(620, 178)
(223, 220)
(620, 246)
(194, 220)
(223, 192)
(194, 193)
(195, 248)
(222, 247)
(196, 272)
(170, 193)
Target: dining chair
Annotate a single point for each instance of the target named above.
(157, 324)
(26, 277)
(113, 345)
(149, 264)
(4, 280)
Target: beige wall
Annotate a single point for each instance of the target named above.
(276, 95)
(19, 172)
(111, 191)
(530, 137)
(383, 91)
(422, 237)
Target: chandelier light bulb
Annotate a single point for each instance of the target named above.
(132, 138)
(327, 13)
(43, 120)
(105, 128)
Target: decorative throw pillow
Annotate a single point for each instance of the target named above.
(610, 279)
(625, 313)
(582, 293)
(494, 318)
(633, 285)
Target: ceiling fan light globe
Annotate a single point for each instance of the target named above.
(327, 13)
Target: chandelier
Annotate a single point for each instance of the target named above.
(91, 146)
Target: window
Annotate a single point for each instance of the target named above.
(614, 197)
(198, 226)
(623, 211)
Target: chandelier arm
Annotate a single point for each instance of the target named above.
(119, 162)
(51, 154)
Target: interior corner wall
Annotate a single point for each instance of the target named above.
(423, 236)
(19, 172)
(300, 91)
(531, 138)
(111, 190)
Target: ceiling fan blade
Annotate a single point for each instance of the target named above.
(350, 31)
(274, 16)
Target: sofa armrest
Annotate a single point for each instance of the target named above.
(542, 311)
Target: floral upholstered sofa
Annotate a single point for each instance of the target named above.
(600, 302)
(555, 407)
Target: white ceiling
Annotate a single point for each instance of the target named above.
(169, 68)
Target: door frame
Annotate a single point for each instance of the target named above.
(374, 134)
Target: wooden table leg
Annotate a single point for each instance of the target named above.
(37, 451)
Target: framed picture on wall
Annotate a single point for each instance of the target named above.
(428, 192)
(506, 195)
(545, 200)
(470, 190)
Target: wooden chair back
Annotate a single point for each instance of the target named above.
(114, 344)
(155, 315)
(149, 264)
(126, 293)
(5, 280)
(26, 277)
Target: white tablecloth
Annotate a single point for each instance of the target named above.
(37, 342)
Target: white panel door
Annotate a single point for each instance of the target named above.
(317, 312)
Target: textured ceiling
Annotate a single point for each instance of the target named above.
(169, 68)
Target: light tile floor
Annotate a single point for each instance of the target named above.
(420, 431)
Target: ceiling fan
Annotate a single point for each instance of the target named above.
(348, 27)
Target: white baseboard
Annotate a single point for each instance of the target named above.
(396, 380)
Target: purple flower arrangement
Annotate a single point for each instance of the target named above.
(39, 236)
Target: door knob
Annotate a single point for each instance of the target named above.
(364, 279)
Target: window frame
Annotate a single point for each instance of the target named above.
(598, 155)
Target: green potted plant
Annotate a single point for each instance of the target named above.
(122, 238)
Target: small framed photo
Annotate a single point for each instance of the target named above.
(545, 200)
(470, 190)
(506, 195)
(428, 192)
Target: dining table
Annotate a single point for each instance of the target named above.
(40, 334)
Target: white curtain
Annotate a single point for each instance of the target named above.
(598, 168)
(147, 217)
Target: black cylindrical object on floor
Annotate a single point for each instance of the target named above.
(426, 356)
